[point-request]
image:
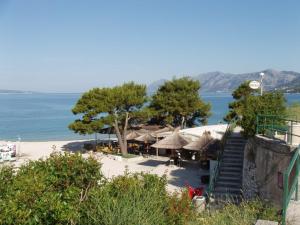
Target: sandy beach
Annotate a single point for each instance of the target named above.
(177, 177)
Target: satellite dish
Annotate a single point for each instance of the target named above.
(254, 84)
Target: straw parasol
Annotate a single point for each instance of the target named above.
(174, 141)
(201, 143)
(147, 138)
(133, 134)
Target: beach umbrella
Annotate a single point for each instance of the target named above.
(166, 129)
(174, 141)
(133, 134)
(146, 138)
(201, 143)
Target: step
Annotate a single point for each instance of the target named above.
(229, 173)
(230, 169)
(234, 147)
(234, 141)
(226, 178)
(229, 184)
(232, 159)
(228, 190)
(235, 152)
(232, 164)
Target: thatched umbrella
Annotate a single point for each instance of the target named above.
(133, 134)
(162, 133)
(201, 143)
(173, 142)
(146, 138)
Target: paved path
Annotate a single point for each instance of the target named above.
(293, 213)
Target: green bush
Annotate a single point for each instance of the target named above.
(129, 199)
(47, 192)
(247, 213)
(68, 189)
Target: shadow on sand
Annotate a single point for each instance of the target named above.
(190, 174)
(153, 163)
(77, 146)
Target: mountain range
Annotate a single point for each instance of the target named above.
(288, 81)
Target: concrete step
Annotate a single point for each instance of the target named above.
(233, 143)
(230, 169)
(231, 173)
(232, 164)
(237, 141)
(228, 184)
(234, 155)
(232, 147)
(226, 178)
(233, 151)
(232, 159)
(228, 190)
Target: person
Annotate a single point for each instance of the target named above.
(179, 160)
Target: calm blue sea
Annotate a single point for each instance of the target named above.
(36, 117)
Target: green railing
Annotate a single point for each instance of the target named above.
(290, 179)
(214, 176)
(272, 125)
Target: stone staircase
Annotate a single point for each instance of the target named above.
(228, 186)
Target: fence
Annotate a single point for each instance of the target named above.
(279, 127)
(290, 179)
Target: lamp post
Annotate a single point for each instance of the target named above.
(261, 82)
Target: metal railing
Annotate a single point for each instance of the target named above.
(214, 176)
(274, 125)
(290, 179)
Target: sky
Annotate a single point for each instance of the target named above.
(74, 45)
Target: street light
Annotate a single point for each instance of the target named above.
(261, 82)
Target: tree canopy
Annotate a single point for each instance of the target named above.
(248, 104)
(119, 107)
(177, 102)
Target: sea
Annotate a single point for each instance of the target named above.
(45, 117)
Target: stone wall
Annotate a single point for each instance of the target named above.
(265, 160)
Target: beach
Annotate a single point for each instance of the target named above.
(177, 177)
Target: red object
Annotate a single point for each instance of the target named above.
(194, 191)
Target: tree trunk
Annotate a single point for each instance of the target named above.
(120, 139)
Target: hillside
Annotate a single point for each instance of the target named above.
(227, 82)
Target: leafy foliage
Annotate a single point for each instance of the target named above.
(68, 189)
(117, 107)
(177, 102)
(47, 192)
(247, 213)
(248, 105)
(294, 111)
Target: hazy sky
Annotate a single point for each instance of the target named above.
(73, 45)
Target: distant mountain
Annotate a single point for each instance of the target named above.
(293, 86)
(227, 82)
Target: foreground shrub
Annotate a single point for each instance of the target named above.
(47, 192)
(129, 199)
(67, 189)
(247, 213)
